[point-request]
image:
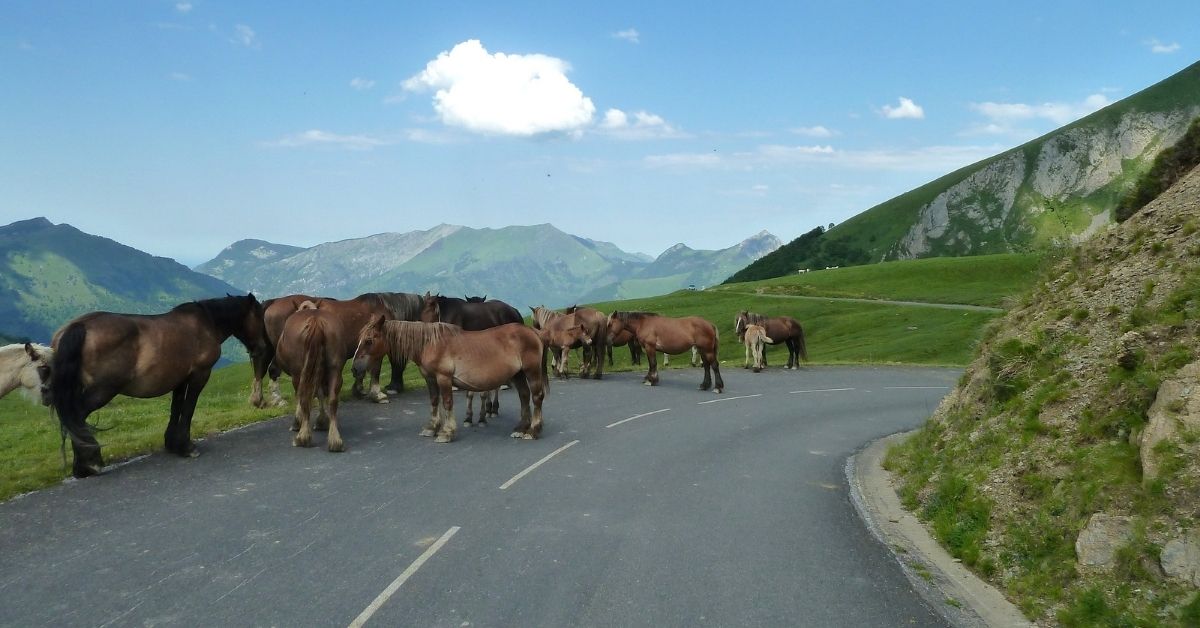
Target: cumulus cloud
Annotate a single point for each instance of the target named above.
(361, 84)
(317, 137)
(1162, 48)
(906, 109)
(506, 94)
(245, 36)
(639, 125)
(630, 35)
(1005, 118)
(814, 131)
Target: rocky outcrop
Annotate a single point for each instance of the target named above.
(1181, 559)
(1176, 411)
(1099, 541)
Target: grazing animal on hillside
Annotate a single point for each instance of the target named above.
(27, 367)
(473, 314)
(780, 329)
(672, 335)
(448, 356)
(754, 336)
(311, 348)
(100, 355)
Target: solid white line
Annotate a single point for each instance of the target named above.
(638, 416)
(794, 392)
(700, 403)
(536, 465)
(916, 388)
(382, 598)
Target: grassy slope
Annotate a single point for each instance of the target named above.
(837, 332)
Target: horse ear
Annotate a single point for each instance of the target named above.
(380, 319)
(33, 354)
(252, 298)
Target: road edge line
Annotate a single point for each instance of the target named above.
(530, 468)
(391, 589)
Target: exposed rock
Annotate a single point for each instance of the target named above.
(1099, 541)
(1181, 559)
(1128, 346)
(1176, 408)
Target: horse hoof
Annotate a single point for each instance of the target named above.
(426, 433)
(382, 399)
(647, 384)
(442, 438)
(718, 390)
(517, 435)
(337, 448)
(526, 436)
(301, 442)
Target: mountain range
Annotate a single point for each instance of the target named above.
(523, 265)
(1059, 188)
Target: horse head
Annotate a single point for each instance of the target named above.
(431, 312)
(36, 376)
(371, 347)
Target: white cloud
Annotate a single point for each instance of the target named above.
(179, 76)
(245, 36)
(317, 137)
(507, 94)
(361, 84)
(630, 35)
(814, 131)
(183, 7)
(1161, 48)
(906, 109)
(642, 126)
(1003, 118)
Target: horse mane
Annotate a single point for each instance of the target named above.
(476, 299)
(405, 306)
(408, 338)
(544, 315)
(625, 317)
(756, 319)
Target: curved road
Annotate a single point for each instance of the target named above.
(657, 506)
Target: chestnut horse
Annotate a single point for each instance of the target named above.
(275, 314)
(754, 336)
(780, 329)
(311, 348)
(472, 314)
(672, 335)
(596, 323)
(448, 356)
(100, 355)
(562, 332)
(26, 367)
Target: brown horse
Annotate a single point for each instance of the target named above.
(560, 332)
(311, 348)
(275, 314)
(672, 335)
(625, 338)
(100, 355)
(780, 329)
(596, 324)
(447, 357)
(354, 314)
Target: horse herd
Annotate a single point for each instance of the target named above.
(475, 344)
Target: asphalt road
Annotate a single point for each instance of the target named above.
(722, 510)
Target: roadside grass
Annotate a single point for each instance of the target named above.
(984, 280)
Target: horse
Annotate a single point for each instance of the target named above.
(753, 337)
(449, 356)
(562, 332)
(781, 329)
(596, 323)
(354, 313)
(672, 335)
(311, 348)
(625, 338)
(100, 355)
(405, 306)
(275, 314)
(26, 366)
(472, 314)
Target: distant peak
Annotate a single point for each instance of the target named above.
(32, 224)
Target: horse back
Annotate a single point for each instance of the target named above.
(309, 331)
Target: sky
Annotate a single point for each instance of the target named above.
(181, 126)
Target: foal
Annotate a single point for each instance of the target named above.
(754, 338)
(26, 367)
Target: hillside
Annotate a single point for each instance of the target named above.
(1058, 188)
(51, 273)
(519, 264)
(1066, 466)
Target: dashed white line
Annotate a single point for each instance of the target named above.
(536, 465)
(382, 598)
(636, 416)
(796, 392)
(700, 403)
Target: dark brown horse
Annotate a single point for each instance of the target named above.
(783, 329)
(311, 348)
(561, 333)
(100, 355)
(354, 313)
(672, 336)
(447, 357)
(405, 306)
(471, 314)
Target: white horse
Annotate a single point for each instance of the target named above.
(26, 367)
(755, 337)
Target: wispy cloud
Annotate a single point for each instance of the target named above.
(183, 7)
(361, 84)
(930, 159)
(505, 94)
(1006, 118)
(907, 109)
(317, 137)
(179, 76)
(814, 131)
(630, 35)
(1161, 48)
(640, 125)
(245, 36)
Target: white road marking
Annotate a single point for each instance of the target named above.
(916, 388)
(536, 465)
(700, 403)
(796, 392)
(638, 416)
(382, 598)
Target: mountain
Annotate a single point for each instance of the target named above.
(51, 273)
(1058, 188)
(524, 265)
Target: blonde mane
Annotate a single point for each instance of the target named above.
(408, 338)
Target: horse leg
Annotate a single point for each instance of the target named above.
(651, 378)
(449, 425)
(195, 385)
(748, 352)
(793, 346)
(521, 382)
(598, 347)
(87, 460)
(471, 407)
(396, 386)
(375, 394)
(432, 425)
(329, 406)
(273, 372)
(695, 356)
(635, 352)
(712, 358)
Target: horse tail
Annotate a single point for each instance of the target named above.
(800, 343)
(312, 338)
(545, 375)
(66, 385)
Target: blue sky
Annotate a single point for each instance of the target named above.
(179, 127)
